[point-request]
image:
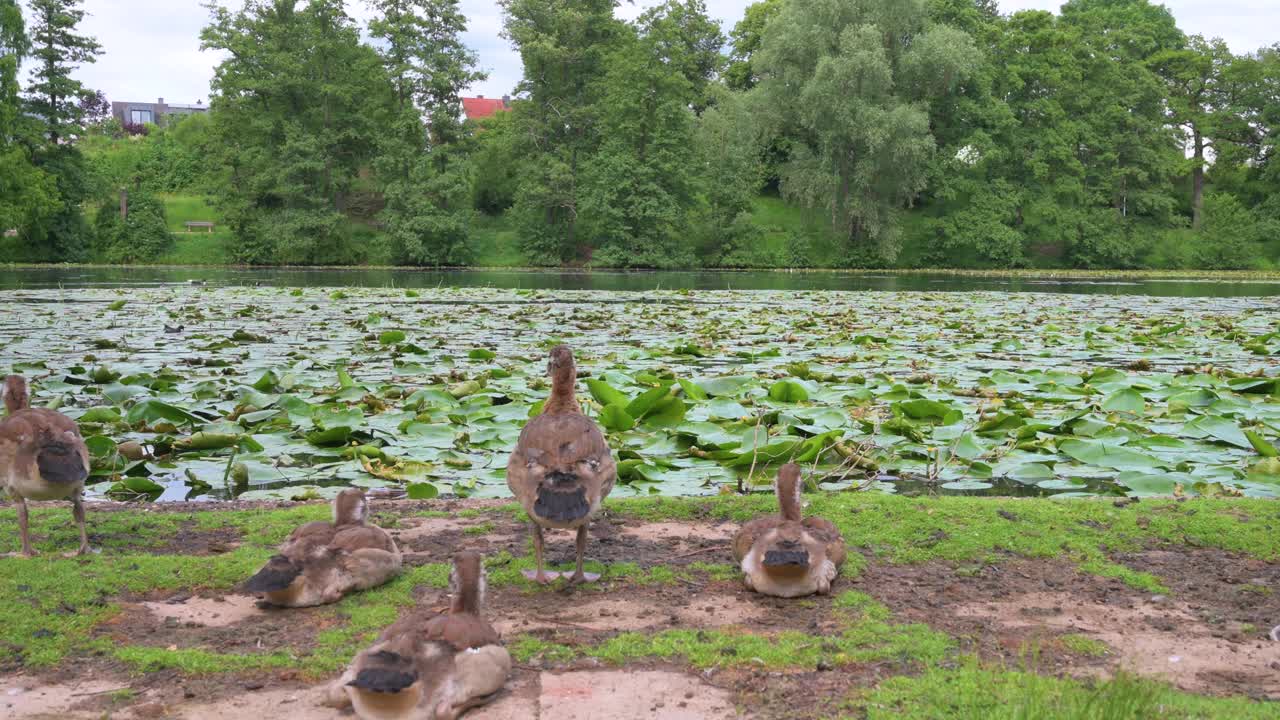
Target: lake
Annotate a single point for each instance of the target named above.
(293, 384)
(52, 277)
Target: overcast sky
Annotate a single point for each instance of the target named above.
(152, 47)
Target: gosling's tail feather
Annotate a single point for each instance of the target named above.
(560, 506)
(385, 672)
(61, 464)
(278, 574)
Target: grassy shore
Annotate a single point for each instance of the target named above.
(894, 626)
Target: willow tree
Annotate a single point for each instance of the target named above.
(849, 83)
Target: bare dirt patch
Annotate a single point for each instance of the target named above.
(23, 696)
(637, 613)
(1160, 639)
(211, 612)
(1001, 611)
(632, 695)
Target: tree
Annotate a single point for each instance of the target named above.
(422, 171)
(28, 195)
(54, 98)
(643, 183)
(296, 121)
(849, 85)
(564, 45)
(745, 38)
(95, 106)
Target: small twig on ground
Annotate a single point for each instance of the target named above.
(697, 552)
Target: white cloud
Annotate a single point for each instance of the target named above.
(152, 47)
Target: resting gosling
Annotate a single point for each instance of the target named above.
(433, 667)
(561, 470)
(321, 561)
(787, 556)
(42, 457)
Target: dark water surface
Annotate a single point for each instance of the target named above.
(53, 277)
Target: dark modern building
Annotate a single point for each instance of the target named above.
(141, 113)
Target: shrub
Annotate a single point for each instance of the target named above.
(142, 237)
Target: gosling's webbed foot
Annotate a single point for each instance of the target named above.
(22, 554)
(542, 577)
(81, 552)
(583, 577)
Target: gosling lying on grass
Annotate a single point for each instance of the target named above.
(787, 556)
(322, 561)
(427, 665)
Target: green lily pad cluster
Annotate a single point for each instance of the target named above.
(297, 393)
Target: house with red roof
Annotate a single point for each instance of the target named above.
(480, 107)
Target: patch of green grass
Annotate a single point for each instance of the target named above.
(194, 661)
(495, 242)
(868, 638)
(1083, 645)
(50, 604)
(973, 691)
(1087, 532)
(482, 529)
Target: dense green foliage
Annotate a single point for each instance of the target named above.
(906, 133)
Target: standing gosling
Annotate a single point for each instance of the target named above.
(561, 470)
(42, 457)
(787, 556)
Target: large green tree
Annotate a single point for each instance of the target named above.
(421, 169)
(565, 45)
(849, 84)
(1197, 97)
(643, 183)
(296, 110)
(746, 37)
(27, 194)
(54, 101)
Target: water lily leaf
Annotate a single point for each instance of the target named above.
(330, 437)
(615, 418)
(423, 491)
(968, 447)
(667, 412)
(647, 401)
(1127, 400)
(605, 394)
(932, 410)
(1260, 444)
(152, 411)
(788, 391)
(432, 436)
(692, 391)
(481, 354)
(1218, 428)
(100, 415)
(391, 337)
(1101, 454)
(723, 386)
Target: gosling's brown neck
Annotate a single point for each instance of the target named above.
(789, 493)
(563, 395)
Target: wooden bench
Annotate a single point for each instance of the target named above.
(199, 224)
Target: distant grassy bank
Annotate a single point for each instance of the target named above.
(790, 238)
